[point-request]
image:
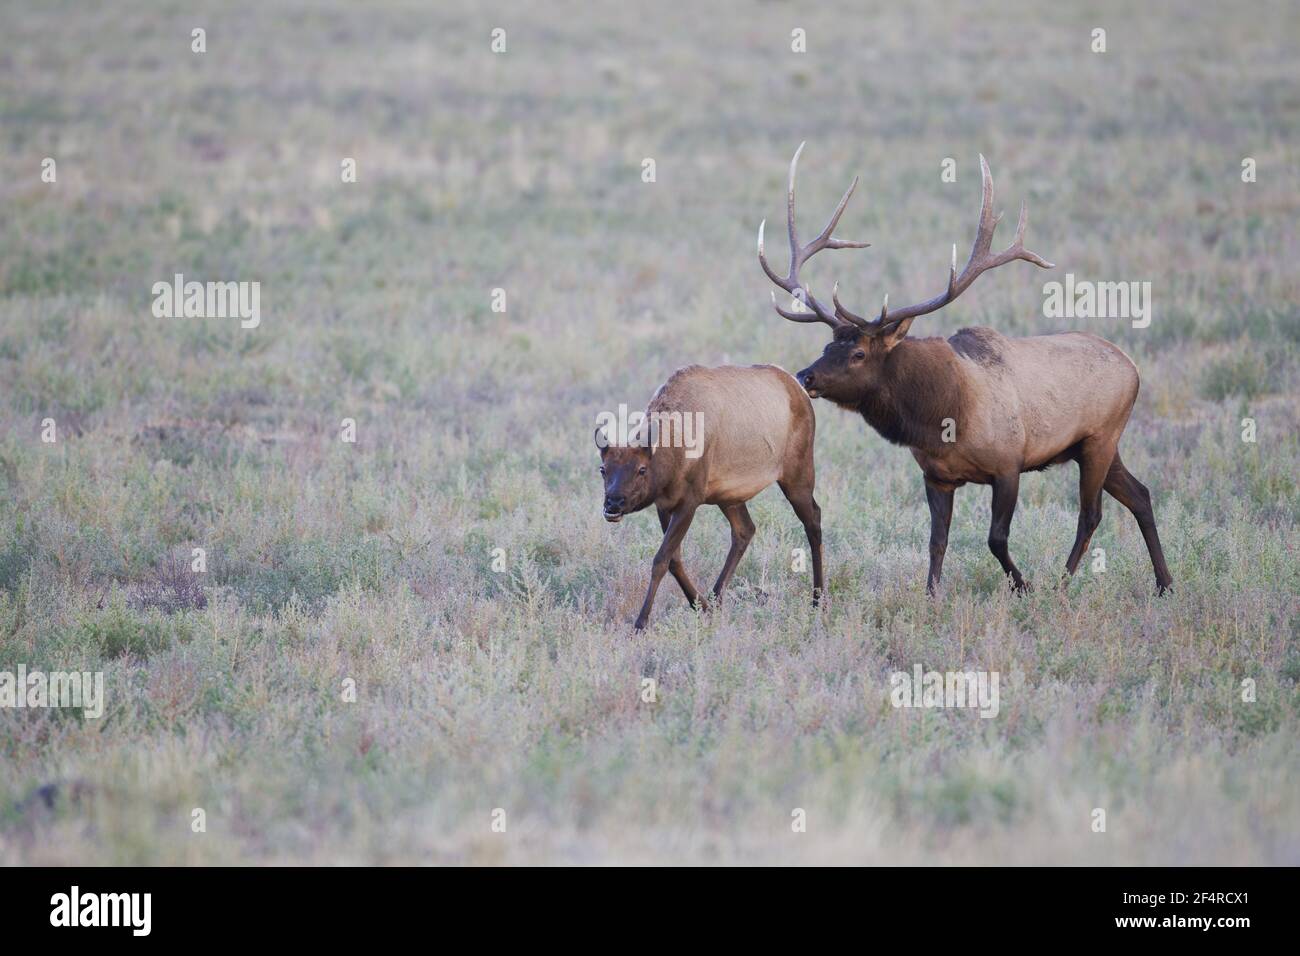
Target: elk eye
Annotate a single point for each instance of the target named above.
(859, 355)
(641, 470)
(602, 469)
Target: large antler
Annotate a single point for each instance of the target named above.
(801, 254)
(980, 260)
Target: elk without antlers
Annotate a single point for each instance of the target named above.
(755, 427)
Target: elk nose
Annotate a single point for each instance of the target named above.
(614, 503)
(805, 378)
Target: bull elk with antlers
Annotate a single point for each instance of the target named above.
(1006, 405)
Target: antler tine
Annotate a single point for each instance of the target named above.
(800, 292)
(795, 316)
(980, 261)
(762, 259)
(1019, 244)
(800, 254)
(825, 240)
(789, 201)
(843, 313)
(988, 222)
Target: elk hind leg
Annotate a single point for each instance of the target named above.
(800, 496)
(1133, 495)
(742, 532)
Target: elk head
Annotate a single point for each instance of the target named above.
(629, 484)
(856, 355)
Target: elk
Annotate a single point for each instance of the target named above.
(977, 407)
(756, 426)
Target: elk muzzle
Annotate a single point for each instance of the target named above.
(614, 504)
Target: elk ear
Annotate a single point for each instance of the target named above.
(895, 334)
(602, 439)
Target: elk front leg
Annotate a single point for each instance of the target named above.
(675, 566)
(1006, 488)
(742, 532)
(940, 518)
(678, 522)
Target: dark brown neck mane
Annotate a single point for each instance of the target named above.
(920, 385)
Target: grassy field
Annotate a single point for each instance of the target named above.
(333, 565)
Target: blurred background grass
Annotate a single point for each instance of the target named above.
(521, 690)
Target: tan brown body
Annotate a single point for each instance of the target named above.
(1022, 403)
(756, 427)
(977, 407)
